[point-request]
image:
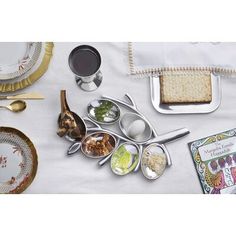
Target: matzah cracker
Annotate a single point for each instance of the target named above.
(186, 88)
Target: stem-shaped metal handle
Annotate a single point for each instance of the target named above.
(104, 160)
(125, 104)
(86, 119)
(170, 136)
(136, 169)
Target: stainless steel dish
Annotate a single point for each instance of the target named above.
(131, 158)
(153, 161)
(103, 111)
(125, 158)
(96, 129)
(185, 108)
(170, 136)
(98, 144)
(134, 127)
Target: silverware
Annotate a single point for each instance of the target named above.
(25, 96)
(16, 106)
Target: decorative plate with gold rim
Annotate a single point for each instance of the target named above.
(33, 74)
(16, 58)
(18, 161)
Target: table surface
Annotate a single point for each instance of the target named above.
(58, 173)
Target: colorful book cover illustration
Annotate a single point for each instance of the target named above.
(215, 161)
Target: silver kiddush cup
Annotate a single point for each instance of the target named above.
(85, 63)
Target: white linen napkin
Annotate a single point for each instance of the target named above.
(157, 57)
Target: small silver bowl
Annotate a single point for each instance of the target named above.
(131, 123)
(98, 145)
(103, 111)
(125, 158)
(153, 161)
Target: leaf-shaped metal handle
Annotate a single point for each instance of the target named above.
(131, 100)
(74, 148)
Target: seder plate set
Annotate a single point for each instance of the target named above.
(137, 146)
(174, 90)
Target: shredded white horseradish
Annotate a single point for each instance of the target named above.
(155, 161)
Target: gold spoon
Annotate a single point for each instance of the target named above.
(16, 106)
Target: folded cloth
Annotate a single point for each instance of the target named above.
(158, 57)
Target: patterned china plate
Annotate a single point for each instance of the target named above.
(16, 58)
(33, 74)
(18, 161)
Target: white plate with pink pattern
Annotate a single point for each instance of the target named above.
(18, 161)
(16, 58)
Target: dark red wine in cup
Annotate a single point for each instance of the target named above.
(84, 60)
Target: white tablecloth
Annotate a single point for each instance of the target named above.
(59, 174)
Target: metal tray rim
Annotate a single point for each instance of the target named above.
(186, 108)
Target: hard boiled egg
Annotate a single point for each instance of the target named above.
(136, 128)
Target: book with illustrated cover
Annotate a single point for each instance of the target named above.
(215, 161)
